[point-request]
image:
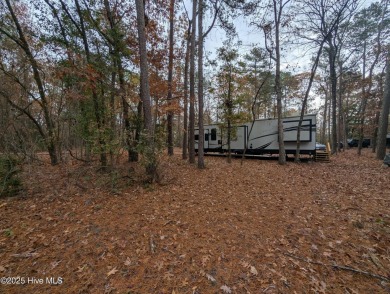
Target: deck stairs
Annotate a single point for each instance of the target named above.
(322, 156)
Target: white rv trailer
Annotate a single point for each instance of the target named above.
(263, 138)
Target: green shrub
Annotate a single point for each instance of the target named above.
(10, 183)
(151, 153)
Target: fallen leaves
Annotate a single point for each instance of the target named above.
(54, 264)
(208, 276)
(168, 276)
(205, 260)
(159, 265)
(251, 268)
(112, 272)
(253, 271)
(80, 269)
(245, 264)
(225, 289)
(128, 262)
(222, 229)
(211, 278)
(327, 254)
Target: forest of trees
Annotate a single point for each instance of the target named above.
(96, 79)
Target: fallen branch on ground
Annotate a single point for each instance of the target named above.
(25, 255)
(152, 245)
(340, 267)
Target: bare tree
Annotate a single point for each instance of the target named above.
(47, 132)
(324, 20)
(328, 9)
(365, 26)
(331, 24)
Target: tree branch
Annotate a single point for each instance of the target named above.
(340, 267)
(215, 18)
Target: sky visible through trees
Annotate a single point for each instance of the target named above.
(250, 36)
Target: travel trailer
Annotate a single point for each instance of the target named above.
(261, 136)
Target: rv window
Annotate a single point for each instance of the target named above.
(213, 134)
(206, 137)
(196, 137)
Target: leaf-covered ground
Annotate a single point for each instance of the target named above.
(231, 228)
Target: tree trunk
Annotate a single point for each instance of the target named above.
(185, 118)
(304, 103)
(229, 106)
(112, 107)
(325, 119)
(363, 102)
(333, 81)
(151, 167)
(191, 141)
(138, 128)
(125, 107)
(340, 123)
(384, 118)
(200, 88)
(346, 122)
(170, 78)
(278, 87)
(377, 116)
(329, 118)
(376, 123)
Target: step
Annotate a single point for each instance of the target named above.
(322, 156)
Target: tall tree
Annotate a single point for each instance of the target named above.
(384, 116)
(369, 25)
(200, 86)
(304, 102)
(185, 90)
(151, 166)
(170, 77)
(257, 66)
(228, 82)
(272, 35)
(344, 10)
(116, 40)
(202, 36)
(228, 57)
(324, 22)
(332, 24)
(47, 131)
(99, 109)
(191, 133)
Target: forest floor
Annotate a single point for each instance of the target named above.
(231, 228)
